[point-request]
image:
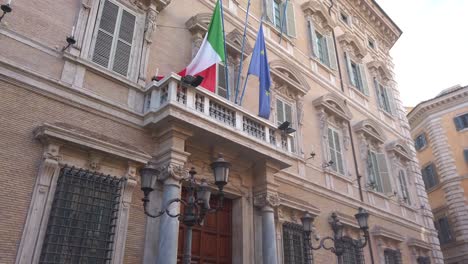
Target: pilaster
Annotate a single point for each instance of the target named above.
(267, 202)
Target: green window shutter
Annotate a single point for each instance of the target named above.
(221, 87)
(384, 173)
(403, 186)
(279, 112)
(268, 10)
(377, 93)
(391, 101)
(339, 155)
(331, 148)
(124, 44)
(331, 52)
(312, 38)
(349, 69)
(362, 71)
(288, 113)
(105, 36)
(290, 20)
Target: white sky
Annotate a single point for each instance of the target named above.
(432, 53)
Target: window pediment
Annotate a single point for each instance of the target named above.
(378, 68)
(352, 43)
(371, 130)
(198, 25)
(287, 76)
(399, 149)
(418, 244)
(333, 104)
(381, 232)
(319, 14)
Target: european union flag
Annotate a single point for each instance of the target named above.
(259, 66)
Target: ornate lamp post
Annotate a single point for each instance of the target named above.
(338, 240)
(197, 204)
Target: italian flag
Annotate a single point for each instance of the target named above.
(210, 53)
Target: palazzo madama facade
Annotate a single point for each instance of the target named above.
(77, 123)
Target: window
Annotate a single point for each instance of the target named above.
(420, 142)
(429, 175)
(424, 260)
(321, 43)
(461, 122)
(357, 75)
(275, 10)
(334, 147)
(284, 113)
(443, 227)
(384, 98)
(322, 46)
(378, 175)
(403, 187)
(392, 256)
(295, 247)
(221, 88)
(82, 221)
(114, 38)
(351, 254)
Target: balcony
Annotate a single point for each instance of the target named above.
(169, 98)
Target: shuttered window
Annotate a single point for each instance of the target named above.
(461, 122)
(378, 174)
(392, 256)
(283, 112)
(321, 46)
(275, 10)
(335, 150)
(295, 247)
(429, 175)
(357, 75)
(114, 38)
(403, 187)
(443, 228)
(420, 142)
(385, 98)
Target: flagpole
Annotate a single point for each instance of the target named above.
(282, 20)
(246, 78)
(242, 52)
(226, 71)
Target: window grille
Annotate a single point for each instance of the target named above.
(222, 113)
(295, 247)
(392, 256)
(424, 260)
(253, 128)
(82, 220)
(351, 254)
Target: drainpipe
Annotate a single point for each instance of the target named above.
(358, 177)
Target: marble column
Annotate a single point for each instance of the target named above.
(267, 202)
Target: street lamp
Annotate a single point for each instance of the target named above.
(338, 239)
(197, 204)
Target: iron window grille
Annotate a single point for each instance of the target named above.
(392, 256)
(295, 247)
(424, 260)
(351, 254)
(82, 220)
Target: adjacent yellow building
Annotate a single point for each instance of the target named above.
(439, 127)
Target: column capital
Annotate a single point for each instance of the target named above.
(172, 173)
(269, 199)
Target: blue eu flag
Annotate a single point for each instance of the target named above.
(259, 67)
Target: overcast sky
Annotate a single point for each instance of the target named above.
(432, 53)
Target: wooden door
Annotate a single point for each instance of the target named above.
(212, 242)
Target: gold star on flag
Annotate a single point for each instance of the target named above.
(262, 52)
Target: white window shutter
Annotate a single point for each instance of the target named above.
(391, 100)
(384, 173)
(290, 20)
(339, 155)
(279, 112)
(105, 36)
(288, 114)
(124, 44)
(313, 38)
(365, 87)
(268, 9)
(350, 69)
(331, 52)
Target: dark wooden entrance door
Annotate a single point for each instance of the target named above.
(211, 243)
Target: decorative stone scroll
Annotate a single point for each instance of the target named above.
(267, 199)
(351, 43)
(319, 14)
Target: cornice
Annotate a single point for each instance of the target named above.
(333, 104)
(418, 244)
(379, 231)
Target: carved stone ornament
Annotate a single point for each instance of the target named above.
(266, 199)
(319, 14)
(94, 160)
(172, 171)
(351, 43)
(150, 24)
(161, 4)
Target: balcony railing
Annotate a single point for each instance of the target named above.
(170, 90)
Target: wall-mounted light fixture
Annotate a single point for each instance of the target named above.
(6, 8)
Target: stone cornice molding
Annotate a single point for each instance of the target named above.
(399, 148)
(198, 25)
(347, 220)
(418, 244)
(286, 73)
(437, 104)
(379, 231)
(334, 105)
(370, 129)
(270, 199)
(68, 134)
(160, 4)
(378, 68)
(319, 13)
(298, 204)
(351, 43)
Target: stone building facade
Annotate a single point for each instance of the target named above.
(439, 127)
(78, 122)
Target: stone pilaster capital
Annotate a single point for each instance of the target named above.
(172, 173)
(267, 199)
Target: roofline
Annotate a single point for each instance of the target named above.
(436, 97)
(389, 18)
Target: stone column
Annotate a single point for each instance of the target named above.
(267, 202)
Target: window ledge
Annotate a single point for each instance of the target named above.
(275, 30)
(326, 67)
(387, 114)
(356, 90)
(338, 175)
(434, 188)
(103, 72)
(381, 195)
(422, 149)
